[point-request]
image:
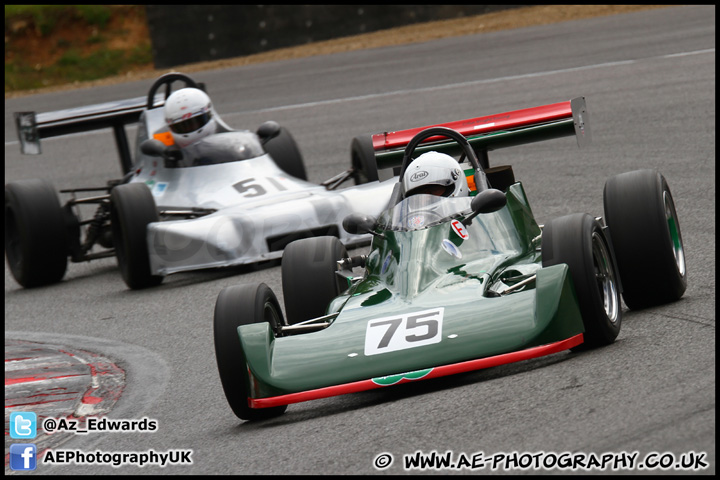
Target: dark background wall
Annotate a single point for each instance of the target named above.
(184, 34)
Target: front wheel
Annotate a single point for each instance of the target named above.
(645, 232)
(132, 208)
(236, 306)
(36, 245)
(578, 240)
(309, 276)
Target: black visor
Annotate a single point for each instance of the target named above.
(191, 124)
(436, 189)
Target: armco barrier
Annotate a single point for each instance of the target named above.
(183, 34)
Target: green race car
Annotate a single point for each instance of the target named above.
(450, 284)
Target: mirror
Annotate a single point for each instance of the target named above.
(268, 130)
(487, 201)
(152, 147)
(358, 224)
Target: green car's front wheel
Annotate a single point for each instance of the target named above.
(309, 276)
(579, 241)
(645, 232)
(235, 306)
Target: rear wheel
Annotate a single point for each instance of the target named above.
(242, 305)
(645, 232)
(308, 277)
(284, 151)
(132, 209)
(362, 159)
(578, 241)
(36, 245)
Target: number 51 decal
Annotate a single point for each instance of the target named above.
(403, 331)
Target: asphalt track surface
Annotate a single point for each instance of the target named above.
(649, 81)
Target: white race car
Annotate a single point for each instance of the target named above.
(233, 198)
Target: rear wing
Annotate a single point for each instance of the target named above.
(31, 126)
(492, 132)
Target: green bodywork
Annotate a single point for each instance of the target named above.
(410, 271)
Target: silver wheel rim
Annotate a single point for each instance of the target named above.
(605, 277)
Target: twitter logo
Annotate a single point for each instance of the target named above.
(23, 425)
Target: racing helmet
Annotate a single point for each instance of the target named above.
(435, 173)
(190, 116)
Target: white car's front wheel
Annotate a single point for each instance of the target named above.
(132, 209)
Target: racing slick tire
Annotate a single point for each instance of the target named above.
(132, 208)
(36, 245)
(235, 306)
(285, 152)
(645, 232)
(578, 240)
(309, 280)
(362, 159)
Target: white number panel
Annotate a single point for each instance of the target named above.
(400, 332)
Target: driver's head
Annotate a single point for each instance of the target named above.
(435, 173)
(189, 114)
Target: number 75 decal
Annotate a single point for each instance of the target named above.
(403, 331)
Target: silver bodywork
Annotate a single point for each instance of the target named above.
(256, 204)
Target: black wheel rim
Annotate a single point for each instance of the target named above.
(273, 317)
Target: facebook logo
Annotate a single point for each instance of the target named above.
(23, 456)
(23, 425)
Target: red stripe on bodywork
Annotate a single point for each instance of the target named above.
(476, 126)
(14, 381)
(436, 372)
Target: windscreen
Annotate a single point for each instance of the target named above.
(422, 211)
(223, 148)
